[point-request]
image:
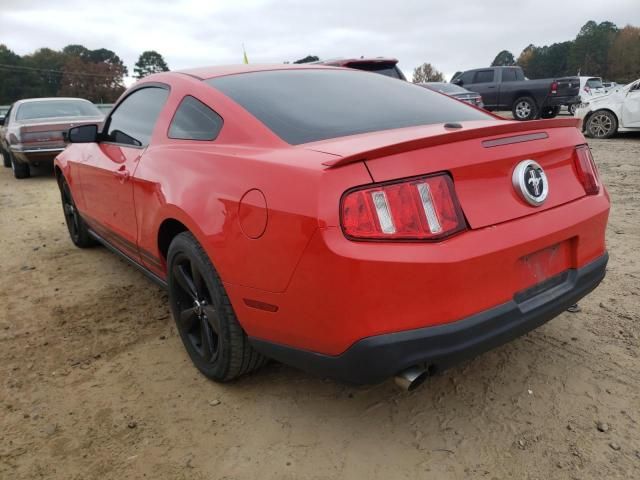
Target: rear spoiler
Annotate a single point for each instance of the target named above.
(461, 135)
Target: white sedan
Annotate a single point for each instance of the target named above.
(618, 111)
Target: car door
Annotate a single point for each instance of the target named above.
(485, 83)
(107, 174)
(631, 107)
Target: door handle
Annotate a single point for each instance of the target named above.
(122, 174)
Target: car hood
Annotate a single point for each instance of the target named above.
(608, 98)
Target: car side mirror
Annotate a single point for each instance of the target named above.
(2, 121)
(83, 134)
(458, 81)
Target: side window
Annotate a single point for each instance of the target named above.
(483, 76)
(193, 120)
(467, 77)
(509, 75)
(132, 122)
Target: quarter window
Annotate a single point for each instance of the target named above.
(483, 76)
(132, 122)
(195, 121)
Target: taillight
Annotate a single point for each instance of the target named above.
(425, 208)
(587, 171)
(554, 87)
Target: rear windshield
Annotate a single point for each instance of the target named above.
(56, 108)
(302, 106)
(594, 83)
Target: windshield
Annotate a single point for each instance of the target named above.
(56, 108)
(303, 106)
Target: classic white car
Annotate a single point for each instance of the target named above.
(618, 111)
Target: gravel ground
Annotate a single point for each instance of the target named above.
(95, 382)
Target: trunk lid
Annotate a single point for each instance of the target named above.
(51, 133)
(480, 157)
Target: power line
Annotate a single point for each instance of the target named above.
(19, 68)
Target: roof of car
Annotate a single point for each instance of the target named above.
(45, 99)
(222, 70)
(347, 61)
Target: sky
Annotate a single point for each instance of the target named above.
(451, 36)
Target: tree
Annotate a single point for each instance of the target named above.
(79, 51)
(11, 85)
(41, 73)
(99, 82)
(102, 55)
(590, 50)
(504, 59)
(624, 56)
(308, 58)
(427, 73)
(547, 61)
(149, 62)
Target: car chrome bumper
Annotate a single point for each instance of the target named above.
(376, 358)
(29, 151)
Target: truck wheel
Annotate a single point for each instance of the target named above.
(5, 159)
(524, 108)
(550, 112)
(210, 331)
(601, 124)
(572, 108)
(20, 170)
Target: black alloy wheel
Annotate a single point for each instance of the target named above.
(196, 314)
(78, 231)
(205, 319)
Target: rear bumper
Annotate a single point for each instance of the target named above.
(376, 358)
(36, 155)
(561, 100)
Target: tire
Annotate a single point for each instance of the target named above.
(550, 112)
(601, 124)
(6, 160)
(524, 108)
(208, 327)
(78, 231)
(572, 108)
(20, 170)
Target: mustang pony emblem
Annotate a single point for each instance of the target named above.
(530, 181)
(535, 181)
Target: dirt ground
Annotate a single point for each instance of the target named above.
(95, 383)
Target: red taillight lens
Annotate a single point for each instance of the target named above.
(425, 208)
(554, 87)
(587, 171)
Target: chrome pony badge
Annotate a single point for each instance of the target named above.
(530, 182)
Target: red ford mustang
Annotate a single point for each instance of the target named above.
(338, 221)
